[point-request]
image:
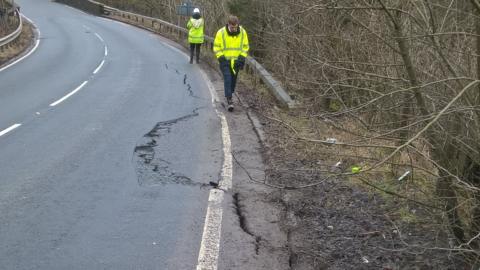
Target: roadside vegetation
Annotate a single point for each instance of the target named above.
(8, 24)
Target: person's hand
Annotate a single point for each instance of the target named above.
(240, 63)
(222, 59)
(241, 58)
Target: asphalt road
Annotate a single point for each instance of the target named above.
(114, 175)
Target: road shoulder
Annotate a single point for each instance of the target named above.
(251, 236)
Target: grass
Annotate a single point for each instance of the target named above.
(17, 47)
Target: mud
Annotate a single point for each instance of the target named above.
(332, 224)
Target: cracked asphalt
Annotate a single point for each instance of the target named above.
(117, 175)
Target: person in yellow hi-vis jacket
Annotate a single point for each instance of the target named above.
(195, 34)
(231, 48)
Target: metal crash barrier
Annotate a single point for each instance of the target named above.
(4, 41)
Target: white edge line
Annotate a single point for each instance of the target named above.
(30, 52)
(23, 57)
(227, 170)
(5, 131)
(99, 67)
(210, 245)
(68, 95)
(28, 19)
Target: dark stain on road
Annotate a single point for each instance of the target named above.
(153, 170)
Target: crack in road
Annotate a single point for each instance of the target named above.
(189, 87)
(153, 170)
(243, 222)
(185, 82)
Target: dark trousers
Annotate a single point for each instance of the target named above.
(195, 47)
(229, 79)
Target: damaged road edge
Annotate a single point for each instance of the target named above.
(210, 245)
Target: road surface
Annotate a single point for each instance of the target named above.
(108, 142)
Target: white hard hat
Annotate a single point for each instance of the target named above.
(196, 10)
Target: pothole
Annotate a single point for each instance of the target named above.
(150, 167)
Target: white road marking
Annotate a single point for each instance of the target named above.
(105, 48)
(99, 37)
(94, 72)
(5, 131)
(99, 67)
(227, 170)
(69, 94)
(30, 52)
(210, 245)
(105, 53)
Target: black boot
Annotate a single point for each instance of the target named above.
(230, 104)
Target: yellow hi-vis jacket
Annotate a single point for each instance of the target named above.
(231, 46)
(195, 33)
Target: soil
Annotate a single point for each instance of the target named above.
(333, 223)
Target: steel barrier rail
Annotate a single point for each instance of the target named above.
(12, 36)
(252, 66)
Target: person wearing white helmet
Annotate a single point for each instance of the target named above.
(195, 28)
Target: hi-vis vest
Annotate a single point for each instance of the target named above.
(195, 34)
(231, 46)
